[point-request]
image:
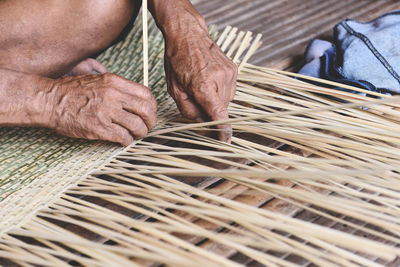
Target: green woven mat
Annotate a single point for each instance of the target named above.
(37, 165)
(28, 154)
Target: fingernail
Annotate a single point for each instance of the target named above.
(226, 134)
(227, 139)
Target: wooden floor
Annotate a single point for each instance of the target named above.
(288, 25)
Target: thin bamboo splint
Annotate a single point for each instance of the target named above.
(311, 176)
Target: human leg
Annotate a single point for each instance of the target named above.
(44, 39)
(51, 37)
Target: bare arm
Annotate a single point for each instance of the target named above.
(22, 98)
(201, 79)
(106, 107)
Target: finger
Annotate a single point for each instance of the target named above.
(146, 110)
(134, 124)
(225, 130)
(88, 66)
(222, 85)
(128, 87)
(216, 110)
(188, 107)
(229, 83)
(116, 134)
(226, 78)
(233, 92)
(96, 66)
(224, 91)
(81, 69)
(233, 82)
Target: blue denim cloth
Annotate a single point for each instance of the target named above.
(365, 55)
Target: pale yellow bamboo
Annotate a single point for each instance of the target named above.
(145, 43)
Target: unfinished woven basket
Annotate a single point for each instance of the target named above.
(311, 178)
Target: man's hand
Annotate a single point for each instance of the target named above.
(201, 79)
(106, 107)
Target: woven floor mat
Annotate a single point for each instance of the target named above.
(36, 165)
(301, 183)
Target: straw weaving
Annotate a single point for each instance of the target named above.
(311, 178)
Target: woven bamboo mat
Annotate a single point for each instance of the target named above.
(36, 165)
(121, 59)
(288, 25)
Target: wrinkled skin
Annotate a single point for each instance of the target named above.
(105, 107)
(48, 79)
(201, 79)
(208, 83)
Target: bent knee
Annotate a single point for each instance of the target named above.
(56, 35)
(103, 21)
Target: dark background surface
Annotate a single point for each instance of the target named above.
(288, 25)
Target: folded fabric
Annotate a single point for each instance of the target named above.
(366, 55)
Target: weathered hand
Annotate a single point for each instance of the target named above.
(201, 79)
(106, 107)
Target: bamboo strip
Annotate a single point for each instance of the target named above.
(145, 44)
(335, 160)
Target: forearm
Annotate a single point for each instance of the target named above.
(23, 99)
(201, 79)
(177, 18)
